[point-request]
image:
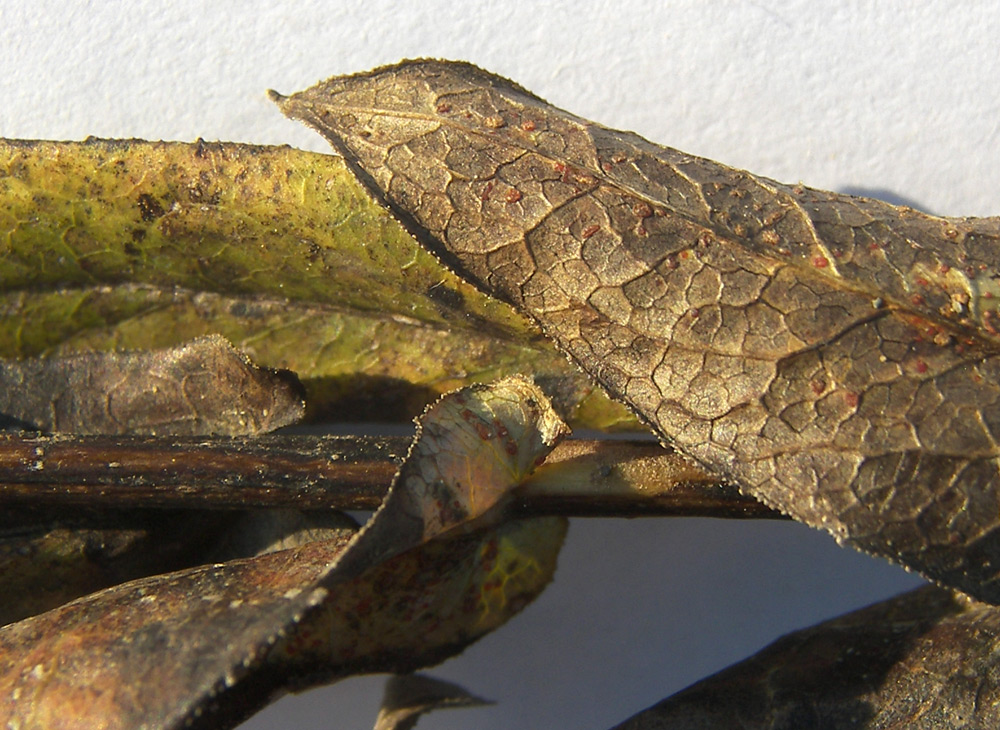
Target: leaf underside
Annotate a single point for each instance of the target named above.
(834, 356)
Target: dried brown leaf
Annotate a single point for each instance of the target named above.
(837, 357)
(212, 644)
(924, 660)
(203, 387)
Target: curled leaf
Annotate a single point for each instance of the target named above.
(923, 660)
(837, 357)
(203, 387)
(471, 450)
(214, 643)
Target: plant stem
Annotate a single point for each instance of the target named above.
(580, 477)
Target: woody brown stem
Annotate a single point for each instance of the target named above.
(580, 477)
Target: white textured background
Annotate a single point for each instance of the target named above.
(895, 99)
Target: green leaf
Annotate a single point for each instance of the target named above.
(137, 245)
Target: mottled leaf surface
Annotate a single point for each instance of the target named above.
(203, 387)
(924, 660)
(835, 356)
(212, 644)
(137, 245)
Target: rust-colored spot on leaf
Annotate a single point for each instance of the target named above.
(642, 209)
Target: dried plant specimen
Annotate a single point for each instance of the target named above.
(213, 643)
(834, 356)
(203, 387)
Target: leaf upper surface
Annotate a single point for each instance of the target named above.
(835, 356)
(128, 244)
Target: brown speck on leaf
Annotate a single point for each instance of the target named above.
(443, 108)
(590, 230)
(528, 125)
(513, 195)
(820, 262)
(641, 209)
(771, 218)
(150, 208)
(990, 322)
